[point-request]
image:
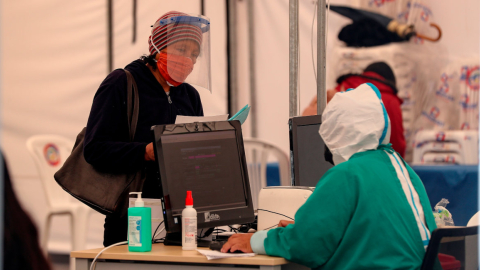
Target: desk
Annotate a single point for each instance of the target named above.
(174, 258)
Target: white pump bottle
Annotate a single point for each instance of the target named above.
(189, 224)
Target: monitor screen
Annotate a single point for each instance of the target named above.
(212, 165)
(307, 148)
(208, 165)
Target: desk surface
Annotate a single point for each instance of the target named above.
(161, 253)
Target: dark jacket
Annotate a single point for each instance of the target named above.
(107, 145)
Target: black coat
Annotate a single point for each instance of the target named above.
(107, 144)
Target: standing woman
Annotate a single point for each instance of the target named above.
(179, 53)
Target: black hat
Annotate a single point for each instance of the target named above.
(382, 69)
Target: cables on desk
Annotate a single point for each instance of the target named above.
(276, 213)
(94, 262)
(273, 226)
(232, 229)
(160, 240)
(155, 232)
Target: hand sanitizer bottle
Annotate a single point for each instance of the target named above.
(189, 224)
(139, 226)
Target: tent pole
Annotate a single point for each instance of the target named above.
(232, 57)
(2, 168)
(110, 35)
(321, 58)
(134, 19)
(251, 62)
(293, 57)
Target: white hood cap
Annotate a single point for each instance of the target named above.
(355, 121)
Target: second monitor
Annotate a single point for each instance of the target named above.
(307, 151)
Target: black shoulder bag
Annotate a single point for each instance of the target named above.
(104, 192)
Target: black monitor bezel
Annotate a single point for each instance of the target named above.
(228, 216)
(294, 123)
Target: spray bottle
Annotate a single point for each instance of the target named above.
(139, 226)
(189, 224)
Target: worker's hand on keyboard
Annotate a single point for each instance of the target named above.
(239, 241)
(284, 223)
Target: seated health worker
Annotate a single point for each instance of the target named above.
(381, 75)
(177, 54)
(370, 211)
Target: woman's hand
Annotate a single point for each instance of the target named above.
(240, 241)
(149, 153)
(284, 223)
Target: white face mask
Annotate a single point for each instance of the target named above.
(353, 122)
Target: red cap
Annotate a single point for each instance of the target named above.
(189, 199)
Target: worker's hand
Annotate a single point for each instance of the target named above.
(239, 241)
(149, 154)
(284, 223)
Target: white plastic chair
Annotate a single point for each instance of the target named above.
(257, 153)
(49, 153)
(474, 220)
(459, 145)
(471, 245)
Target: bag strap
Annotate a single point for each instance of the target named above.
(132, 113)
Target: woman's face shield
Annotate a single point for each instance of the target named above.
(188, 49)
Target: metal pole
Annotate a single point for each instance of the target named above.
(232, 57)
(321, 58)
(293, 56)
(110, 35)
(251, 61)
(2, 173)
(134, 19)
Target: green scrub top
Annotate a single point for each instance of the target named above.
(358, 217)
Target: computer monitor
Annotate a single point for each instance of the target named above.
(208, 159)
(307, 151)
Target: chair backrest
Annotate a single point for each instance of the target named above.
(460, 143)
(474, 220)
(257, 153)
(49, 152)
(456, 245)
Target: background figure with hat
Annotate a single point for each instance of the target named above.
(179, 58)
(381, 75)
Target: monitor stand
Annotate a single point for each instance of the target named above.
(175, 239)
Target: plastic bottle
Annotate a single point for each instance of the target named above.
(139, 226)
(189, 224)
